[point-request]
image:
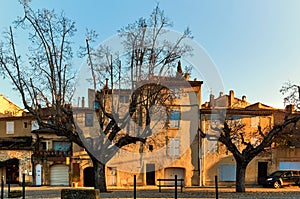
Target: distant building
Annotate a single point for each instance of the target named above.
(217, 160)
(8, 108)
(15, 143)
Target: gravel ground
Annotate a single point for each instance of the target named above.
(152, 193)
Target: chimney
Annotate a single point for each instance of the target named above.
(179, 70)
(211, 100)
(244, 98)
(206, 105)
(231, 98)
(82, 102)
(187, 76)
(221, 94)
(290, 108)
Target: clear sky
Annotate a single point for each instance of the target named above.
(255, 44)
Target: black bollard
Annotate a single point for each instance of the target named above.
(2, 187)
(23, 186)
(8, 181)
(134, 186)
(175, 186)
(217, 191)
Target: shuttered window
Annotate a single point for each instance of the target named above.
(174, 147)
(174, 118)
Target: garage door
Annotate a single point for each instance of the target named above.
(289, 165)
(227, 172)
(59, 175)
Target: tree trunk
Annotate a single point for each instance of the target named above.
(240, 176)
(99, 175)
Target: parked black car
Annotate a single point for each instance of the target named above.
(281, 178)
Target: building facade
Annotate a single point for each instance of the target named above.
(171, 149)
(216, 160)
(15, 143)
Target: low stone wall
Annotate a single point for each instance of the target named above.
(80, 193)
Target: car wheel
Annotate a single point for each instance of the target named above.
(276, 184)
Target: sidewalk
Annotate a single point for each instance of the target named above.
(46, 192)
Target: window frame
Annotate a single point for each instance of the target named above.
(174, 123)
(10, 127)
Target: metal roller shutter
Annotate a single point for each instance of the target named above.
(289, 165)
(59, 175)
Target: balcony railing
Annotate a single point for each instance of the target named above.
(53, 153)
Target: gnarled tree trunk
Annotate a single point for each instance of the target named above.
(240, 176)
(99, 174)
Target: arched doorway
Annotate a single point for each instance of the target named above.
(172, 171)
(12, 171)
(89, 180)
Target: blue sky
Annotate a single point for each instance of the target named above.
(255, 44)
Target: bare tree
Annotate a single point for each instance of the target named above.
(45, 79)
(141, 73)
(291, 94)
(238, 140)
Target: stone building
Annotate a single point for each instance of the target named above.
(171, 150)
(51, 159)
(216, 160)
(15, 143)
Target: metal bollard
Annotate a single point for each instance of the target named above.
(2, 187)
(134, 186)
(8, 181)
(175, 186)
(23, 186)
(217, 191)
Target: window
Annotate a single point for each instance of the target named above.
(43, 146)
(34, 125)
(25, 125)
(61, 146)
(9, 127)
(174, 119)
(89, 119)
(124, 99)
(96, 105)
(174, 147)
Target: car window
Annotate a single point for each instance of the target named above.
(288, 174)
(276, 173)
(295, 173)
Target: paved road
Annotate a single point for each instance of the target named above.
(152, 193)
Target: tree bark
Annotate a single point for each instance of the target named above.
(99, 175)
(240, 176)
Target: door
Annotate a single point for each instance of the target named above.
(112, 176)
(12, 171)
(38, 175)
(150, 174)
(59, 175)
(262, 171)
(287, 178)
(88, 180)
